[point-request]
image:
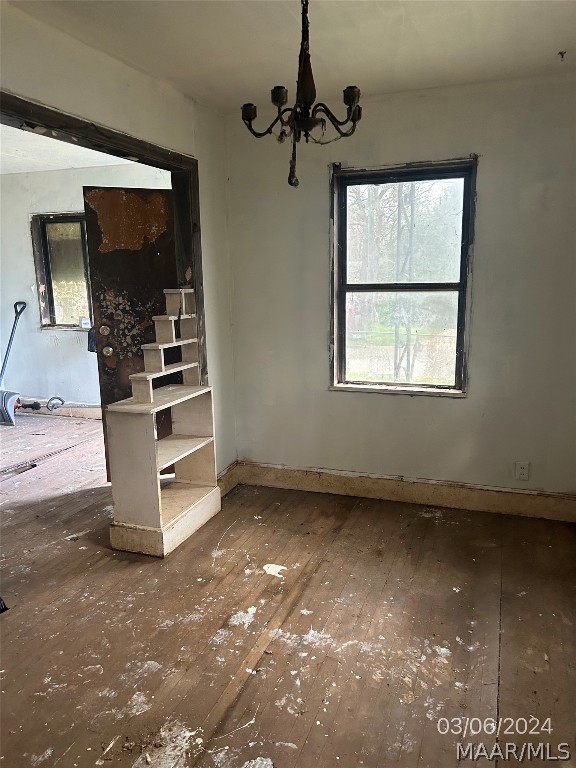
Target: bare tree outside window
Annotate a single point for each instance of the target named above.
(402, 242)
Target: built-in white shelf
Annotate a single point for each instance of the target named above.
(153, 513)
(171, 449)
(172, 317)
(167, 344)
(164, 397)
(172, 368)
(179, 497)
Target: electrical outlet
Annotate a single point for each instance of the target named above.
(522, 470)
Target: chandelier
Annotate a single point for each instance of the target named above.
(305, 116)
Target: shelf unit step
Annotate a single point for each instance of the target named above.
(164, 397)
(165, 327)
(172, 368)
(180, 300)
(142, 390)
(166, 344)
(175, 447)
(177, 497)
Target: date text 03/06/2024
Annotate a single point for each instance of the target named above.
(494, 726)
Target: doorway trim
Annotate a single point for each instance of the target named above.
(30, 116)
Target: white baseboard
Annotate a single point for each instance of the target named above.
(552, 506)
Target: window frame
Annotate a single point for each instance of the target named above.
(341, 179)
(43, 267)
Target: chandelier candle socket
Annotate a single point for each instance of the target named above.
(305, 116)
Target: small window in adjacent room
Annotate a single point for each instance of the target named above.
(61, 261)
(402, 239)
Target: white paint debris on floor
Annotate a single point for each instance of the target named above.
(37, 759)
(312, 637)
(102, 757)
(433, 708)
(138, 704)
(191, 617)
(220, 636)
(138, 669)
(94, 669)
(52, 687)
(442, 652)
(175, 739)
(243, 618)
(109, 693)
(433, 512)
(217, 552)
(274, 570)
(259, 762)
(294, 705)
(76, 536)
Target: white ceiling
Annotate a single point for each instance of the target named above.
(28, 152)
(226, 52)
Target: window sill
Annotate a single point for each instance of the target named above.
(391, 389)
(63, 328)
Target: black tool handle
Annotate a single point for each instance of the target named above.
(19, 307)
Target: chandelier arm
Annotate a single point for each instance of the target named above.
(261, 134)
(322, 142)
(323, 109)
(341, 134)
(349, 132)
(290, 111)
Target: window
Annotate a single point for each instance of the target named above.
(402, 238)
(61, 269)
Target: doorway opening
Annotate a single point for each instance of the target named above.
(57, 267)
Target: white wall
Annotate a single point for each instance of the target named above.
(46, 362)
(44, 65)
(522, 364)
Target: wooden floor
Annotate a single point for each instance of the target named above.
(387, 618)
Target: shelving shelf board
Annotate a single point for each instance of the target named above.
(175, 447)
(177, 497)
(172, 368)
(166, 344)
(173, 317)
(164, 397)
